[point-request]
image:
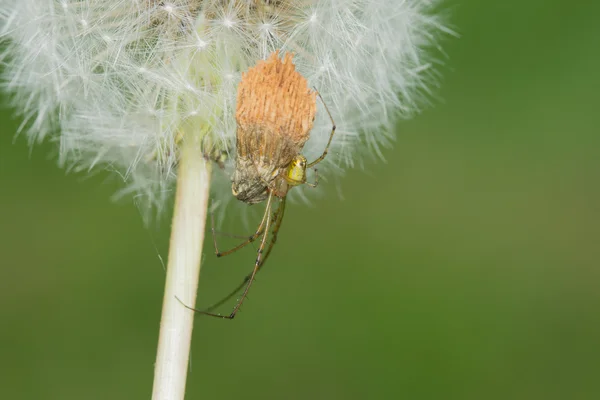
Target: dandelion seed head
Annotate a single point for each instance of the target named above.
(118, 83)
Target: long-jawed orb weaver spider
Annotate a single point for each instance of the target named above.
(275, 113)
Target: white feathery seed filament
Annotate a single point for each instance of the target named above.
(117, 82)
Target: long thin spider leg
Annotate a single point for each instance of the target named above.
(257, 265)
(276, 227)
(251, 239)
(277, 223)
(229, 296)
(314, 185)
(318, 160)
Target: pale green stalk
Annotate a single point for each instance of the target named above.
(183, 271)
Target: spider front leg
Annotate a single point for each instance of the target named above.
(261, 229)
(250, 279)
(277, 224)
(277, 219)
(314, 185)
(322, 157)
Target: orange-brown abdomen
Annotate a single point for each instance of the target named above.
(275, 113)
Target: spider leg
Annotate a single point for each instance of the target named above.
(277, 224)
(259, 231)
(314, 185)
(250, 278)
(322, 157)
(277, 219)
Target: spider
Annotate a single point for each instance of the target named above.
(275, 113)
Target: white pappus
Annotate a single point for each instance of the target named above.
(117, 82)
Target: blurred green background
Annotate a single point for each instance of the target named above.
(465, 267)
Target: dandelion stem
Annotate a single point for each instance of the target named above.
(183, 271)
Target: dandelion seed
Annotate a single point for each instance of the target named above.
(99, 76)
